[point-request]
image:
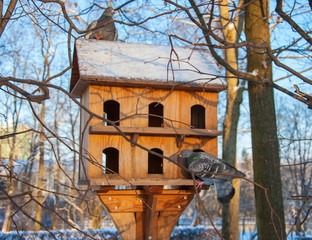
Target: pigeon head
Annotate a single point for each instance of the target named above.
(186, 153)
(108, 12)
(188, 156)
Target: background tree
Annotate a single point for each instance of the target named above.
(266, 162)
(231, 28)
(295, 141)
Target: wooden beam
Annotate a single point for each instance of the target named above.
(140, 231)
(139, 83)
(126, 224)
(123, 203)
(140, 182)
(154, 131)
(171, 202)
(151, 190)
(166, 223)
(78, 86)
(151, 218)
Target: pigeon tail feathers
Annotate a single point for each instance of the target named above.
(225, 191)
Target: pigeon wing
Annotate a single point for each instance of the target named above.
(220, 166)
(105, 29)
(91, 26)
(232, 171)
(201, 165)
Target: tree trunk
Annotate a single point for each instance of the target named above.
(6, 227)
(96, 216)
(270, 214)
(230, 211)
(57, 181)
(11, 184)
(38, 215)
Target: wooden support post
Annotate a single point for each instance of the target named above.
(125, 223)
(134, 138)
(166, 219)
(180, 140)
(151, 213)
(139, 218)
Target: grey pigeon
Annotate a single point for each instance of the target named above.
(103, 28)
(210, 170)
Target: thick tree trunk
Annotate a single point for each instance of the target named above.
(230, 211)
(269, 209)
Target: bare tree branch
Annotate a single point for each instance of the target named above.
(291, 22)
(7, 16)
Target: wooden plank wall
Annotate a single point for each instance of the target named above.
(84, 139)
(134, 105)
(133, 160)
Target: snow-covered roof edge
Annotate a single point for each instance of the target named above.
(140, 65)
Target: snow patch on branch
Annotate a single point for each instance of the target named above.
(255, 72)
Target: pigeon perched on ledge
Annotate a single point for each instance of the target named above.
(212, 170)
(103, 28)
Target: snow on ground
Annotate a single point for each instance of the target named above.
(107, 233)
(179, 233)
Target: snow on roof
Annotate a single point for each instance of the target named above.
(100, 60)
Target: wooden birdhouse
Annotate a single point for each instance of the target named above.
(140, 100)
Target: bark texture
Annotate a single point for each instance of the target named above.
(230, 211)
(41, 175)
(266, 161)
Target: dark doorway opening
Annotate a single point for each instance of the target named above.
(112, 111)
(155, 163)
(110, 159)
(198, 118)
(156, 114)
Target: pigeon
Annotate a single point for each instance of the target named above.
(103, 28)
(210, 170)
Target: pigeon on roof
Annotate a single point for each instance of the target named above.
(103, 28)
(212, 170)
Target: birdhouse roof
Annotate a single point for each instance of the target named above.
(101, 62)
